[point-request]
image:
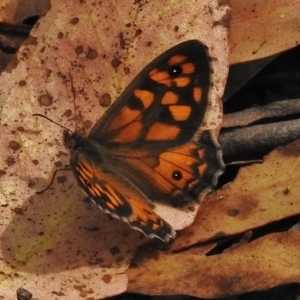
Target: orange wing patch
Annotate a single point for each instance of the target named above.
(177, 59)
(161, 77)
(188, 68)
(144, 214)
(202, 168)
(146, 97)
(180, 112)
(169, 98)
(182, 81)
(162, 132)
(197, 92)
(130, 133)
(125, 117)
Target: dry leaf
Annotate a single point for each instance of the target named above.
(15, 12)
(264, 263)
(54, 243)
(262, 28)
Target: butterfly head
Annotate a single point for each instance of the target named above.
(71, 139)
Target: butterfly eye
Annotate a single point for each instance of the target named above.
(175, 71)
(177, 175)
(72, 143)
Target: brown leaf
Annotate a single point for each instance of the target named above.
(264, 263)
(262, 28)
(14, 13)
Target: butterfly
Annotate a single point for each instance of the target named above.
(149, 146)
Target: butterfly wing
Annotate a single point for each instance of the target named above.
(115, 197)
(152, 129)
(164, 104)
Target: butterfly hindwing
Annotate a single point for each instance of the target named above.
(114, 196)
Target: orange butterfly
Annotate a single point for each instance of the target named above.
(148, 146)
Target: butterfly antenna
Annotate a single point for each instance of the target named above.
(75, 110)
(74, 102)
(62, 126)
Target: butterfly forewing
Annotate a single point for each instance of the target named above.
(164, 104)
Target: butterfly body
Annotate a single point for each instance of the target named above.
(149, 145)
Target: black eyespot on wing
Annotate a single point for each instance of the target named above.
(175, 71)
(88, 184)
(177, 175)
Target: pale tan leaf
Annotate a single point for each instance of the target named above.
(54, 243)
(14, 11)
